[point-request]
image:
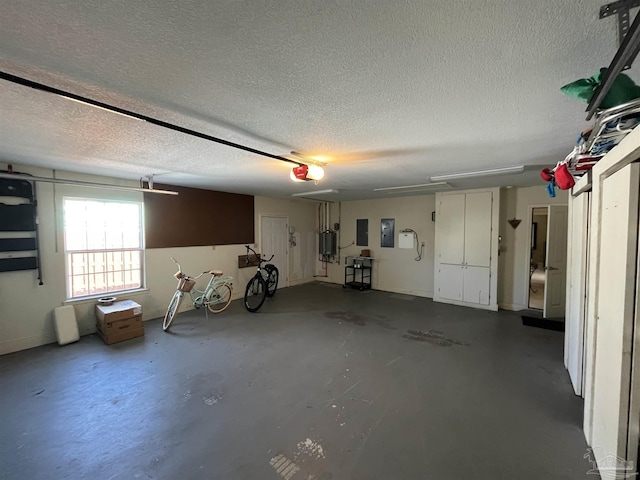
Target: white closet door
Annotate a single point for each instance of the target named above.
(476, 284)
(615, 312)
(450, 224)
(451, 282)
(576, 291)
(477, 229)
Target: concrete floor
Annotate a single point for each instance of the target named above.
(323, 383)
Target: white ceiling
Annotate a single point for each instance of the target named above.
(388, 92)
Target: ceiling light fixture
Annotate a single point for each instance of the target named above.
(478, 173)
(306, 172)
(401, 192)
(78, 183)
(316, 192)
(421, 186)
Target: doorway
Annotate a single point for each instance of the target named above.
(547, 260)
(275, 241)
(537, 257)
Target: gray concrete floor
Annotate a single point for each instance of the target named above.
(322, 383)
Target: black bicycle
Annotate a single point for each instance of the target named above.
(262, 285)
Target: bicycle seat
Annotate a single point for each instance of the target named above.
(216, 273)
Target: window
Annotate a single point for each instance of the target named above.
(103, 246)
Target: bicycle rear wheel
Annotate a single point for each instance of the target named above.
(272, 279)
(174, 304)
(219, 299)
(255, 293)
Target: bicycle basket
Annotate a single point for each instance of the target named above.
(186, 284)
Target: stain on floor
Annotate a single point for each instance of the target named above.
(435, 337)
(349, 317)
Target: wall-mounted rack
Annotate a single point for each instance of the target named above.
(629, 37)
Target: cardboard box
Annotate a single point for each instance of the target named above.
(121, 336)
(119, 322)
(110, 328)
(118, 311)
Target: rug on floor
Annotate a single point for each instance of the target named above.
(557, 325)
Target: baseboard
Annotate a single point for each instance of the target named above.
(514, 307)
(415, 293)
(300, 281)
(491, 307)
(26, 343)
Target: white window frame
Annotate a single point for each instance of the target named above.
(67, 252)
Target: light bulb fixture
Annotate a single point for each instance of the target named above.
(422, 186)
(316, 192)
(306, 172)
(478, 173)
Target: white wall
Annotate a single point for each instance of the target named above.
(394, 269)
(513, 267)
(26, 308)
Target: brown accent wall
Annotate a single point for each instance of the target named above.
(197, 217)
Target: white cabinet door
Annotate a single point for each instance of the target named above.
(477, 229)
(476, 284)
(450, 223)
(451, 281)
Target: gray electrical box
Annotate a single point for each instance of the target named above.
(387, 228)
(362, 232)
(327, 242)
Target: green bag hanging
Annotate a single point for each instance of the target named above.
(622, 90)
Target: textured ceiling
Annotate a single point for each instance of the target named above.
(388, 92)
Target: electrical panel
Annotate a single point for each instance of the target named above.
(387, 228)
(328, 245)
(362, 232)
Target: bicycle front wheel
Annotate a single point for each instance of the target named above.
(272, 279)
(219, 299)
(255, 293)
(174, 304)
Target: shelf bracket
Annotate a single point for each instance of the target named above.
(626, 53)
(621, 8)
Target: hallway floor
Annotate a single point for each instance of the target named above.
(322, 383)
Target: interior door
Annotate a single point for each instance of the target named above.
(614, 403)
(556, 262)
(274, 238)
(576, 291)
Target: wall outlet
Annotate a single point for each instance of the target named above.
(422, 243)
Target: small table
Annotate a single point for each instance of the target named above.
(353, 265)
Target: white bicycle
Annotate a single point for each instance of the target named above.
(216, 296)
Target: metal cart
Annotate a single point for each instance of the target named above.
(357, 272)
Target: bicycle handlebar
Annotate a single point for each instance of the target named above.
(262, 260)
(183, 274)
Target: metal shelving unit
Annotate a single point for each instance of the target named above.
(353, 265)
